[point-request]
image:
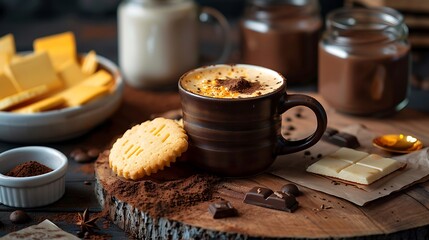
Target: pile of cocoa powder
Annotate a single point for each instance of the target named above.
(161, 199)
(159, 195)
(240, 85)
(28, 169)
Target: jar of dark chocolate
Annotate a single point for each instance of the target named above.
(282, 35)
(364, 61)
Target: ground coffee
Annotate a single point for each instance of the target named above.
(28, 169)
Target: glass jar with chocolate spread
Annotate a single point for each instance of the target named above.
(364, 61)
(282, 35)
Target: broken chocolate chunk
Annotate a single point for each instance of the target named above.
(222, 209)
(329, 132)
(340, 139)
(282, 201)
(265, 197)
(345, 140)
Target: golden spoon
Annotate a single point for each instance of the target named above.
(397, 143)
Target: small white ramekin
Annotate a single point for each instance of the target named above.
(32, 191)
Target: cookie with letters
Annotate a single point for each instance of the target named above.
(147, 148)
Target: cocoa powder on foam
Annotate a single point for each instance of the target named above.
(240, 85)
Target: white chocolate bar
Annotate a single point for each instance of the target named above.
(349, 154)
(379, 163)
(359, 174)
(329, 166)
(354, 166)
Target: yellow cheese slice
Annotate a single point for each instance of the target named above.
(42, 105)
(61, 47)
(81, 94)
(7, 45)
(16, 58)
(7, 50)
(23, 96)
(6, 86)
(89, 64)
(71, 74)
(5, 59)
(32, 71)
(100, 78)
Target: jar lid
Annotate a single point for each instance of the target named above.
(264, 3)
(155, 2)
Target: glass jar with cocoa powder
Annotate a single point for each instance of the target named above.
(364, 61)
(282, 35)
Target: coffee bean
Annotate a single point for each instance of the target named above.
(319, 155)
(288, 119)
(307, 153)
(19, 217)
(82, 157)
(291, 128)
(75, 152)
(291, 189)
(298, 115)
(93, 152)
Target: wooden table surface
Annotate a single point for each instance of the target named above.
(404, 213)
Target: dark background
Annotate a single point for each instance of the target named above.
(92, 21)
(94, 24)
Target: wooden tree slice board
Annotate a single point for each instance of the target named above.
(386, 217)
(403, 215)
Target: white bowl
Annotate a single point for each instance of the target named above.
(64, 123)
(32, 191)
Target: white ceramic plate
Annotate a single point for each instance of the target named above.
(65, 123)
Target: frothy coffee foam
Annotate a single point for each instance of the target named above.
(209, 81)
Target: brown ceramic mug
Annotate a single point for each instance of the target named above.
(239, 134)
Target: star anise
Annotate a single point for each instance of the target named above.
(86, 224)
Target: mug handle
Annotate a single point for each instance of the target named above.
(289, 101)
(226, 29)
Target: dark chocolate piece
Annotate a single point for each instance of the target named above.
(341, 139)
(291, 189)
(282, 201)
(265, 197)
(222, 209)
(345, 140)
(329, 132)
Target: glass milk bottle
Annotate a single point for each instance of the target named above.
(158, 40)
(364, 61)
